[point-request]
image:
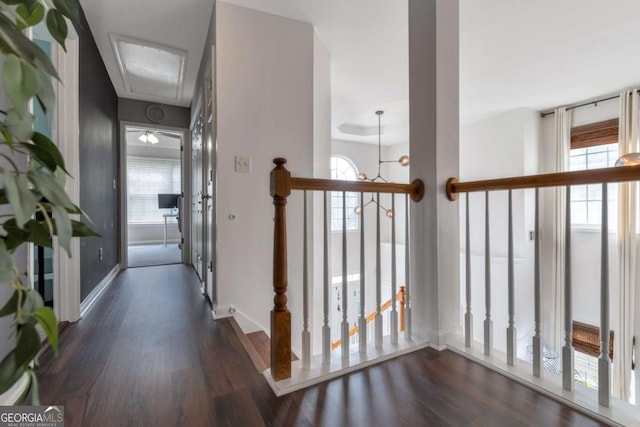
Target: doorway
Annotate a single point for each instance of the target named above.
(154, 195)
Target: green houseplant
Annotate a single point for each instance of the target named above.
(33, 203)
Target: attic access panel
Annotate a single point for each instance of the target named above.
(150, 69)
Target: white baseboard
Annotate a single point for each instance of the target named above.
(222, 311)
(247, 324)
(91, 299)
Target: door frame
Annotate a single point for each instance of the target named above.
(122, 193)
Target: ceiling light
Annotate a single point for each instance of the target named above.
(148, 136)
(403, 160)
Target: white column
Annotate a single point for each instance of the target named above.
(537, 340)
(567, 348)
(326, 329)
(394, 289)
(306, 335)
(488, 323)
(511, 328)
(604, 363)
(345, 289)
(362, 320)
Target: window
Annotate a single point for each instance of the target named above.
(593, 146)
(146, 178)
(343, 169)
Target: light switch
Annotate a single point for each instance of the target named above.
(243, 164)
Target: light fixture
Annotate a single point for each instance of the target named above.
(403, 161)
(148, 136)
(630, 159)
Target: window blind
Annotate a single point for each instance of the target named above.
(146, 178)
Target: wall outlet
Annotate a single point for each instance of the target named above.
(243, 164)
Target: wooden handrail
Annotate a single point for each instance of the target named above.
(415, 189)
(401, 296)
(592, 176)
(281, 185)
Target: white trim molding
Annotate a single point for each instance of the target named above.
(66, 270)
(91, 299)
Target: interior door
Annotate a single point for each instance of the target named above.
(197, 195)
(210, 176)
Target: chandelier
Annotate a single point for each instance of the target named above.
(403, 160)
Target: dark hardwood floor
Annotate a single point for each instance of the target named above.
(149, 354)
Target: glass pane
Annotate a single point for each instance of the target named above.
(597, 160)
(594, 212)
(578, 192)
(594, 191)
(577, 163)
(579, 212)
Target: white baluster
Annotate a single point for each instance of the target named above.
(511, 329)
(407, 272)
(306, 335)
(567, 348)
(604, 363)
(537, 340)
(362, 321)
(378, 318)
(345, 290)
(488, 323)
(326, 329)
(394, 312)
(468, 317)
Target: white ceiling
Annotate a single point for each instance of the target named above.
(513, 53)
(179, 24)
(544, 53)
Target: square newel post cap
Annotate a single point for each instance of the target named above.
(280, 179)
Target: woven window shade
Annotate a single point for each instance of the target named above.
(600, 133)
(586, 339)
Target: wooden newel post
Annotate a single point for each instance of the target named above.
(402, 300)
(280, 315)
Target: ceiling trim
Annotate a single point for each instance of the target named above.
(181, 53)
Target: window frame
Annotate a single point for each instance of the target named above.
(350, 197)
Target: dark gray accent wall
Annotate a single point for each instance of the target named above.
(98, 162)
(131, 110)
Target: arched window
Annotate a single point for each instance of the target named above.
(343, 169)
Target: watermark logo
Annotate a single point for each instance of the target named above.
(31, 416)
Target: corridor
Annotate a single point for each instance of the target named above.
(149, 354)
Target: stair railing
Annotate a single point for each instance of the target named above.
(282, 183)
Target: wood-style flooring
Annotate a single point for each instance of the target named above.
(149, 354)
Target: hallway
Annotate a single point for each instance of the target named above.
(149, 354)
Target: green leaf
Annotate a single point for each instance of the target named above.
(68, 8)
(63, 227)
(7, 269)
(57, 25)
(82, 230)
(32, 302)
(45, 94)
(47, 185)
(33, 231)
(20, 83)
(20, 197)
(20, 127)
(27, 346)
(13, 41)
(46, 144)
(42, 155)
(11, 306)
(9, 372)
(47, 320)
(30, 17)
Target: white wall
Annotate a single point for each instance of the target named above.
(505, 145)
(265, 86)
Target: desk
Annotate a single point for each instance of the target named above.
(165, 216)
